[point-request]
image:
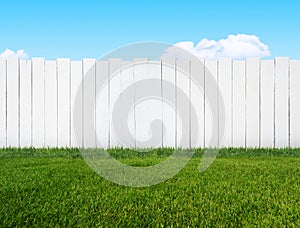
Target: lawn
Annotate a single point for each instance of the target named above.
(55, 187)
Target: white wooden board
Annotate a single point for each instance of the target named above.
(102, 104)
(13, 102)
(51, 114)
(89, 69)
(25, 103)
(64, 109)
(267, 103)
(2, 103)
(38, 103)
(294, 103)
(281, 102)
(211, 104)
(76, 93)
(225, 96)
(252, 102)
(239, 104)
(197, 100)
(183, 103)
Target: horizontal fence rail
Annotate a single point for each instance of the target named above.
(260, 97)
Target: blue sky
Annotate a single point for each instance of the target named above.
(78, 29)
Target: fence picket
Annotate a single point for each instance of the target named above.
(211, 80)
(89, 134)
(51, 113)
(115, 66)
(197, 100)
(281, 102)
(25, 103)
(38, 102)
(183, 83)
(294, 103)
(3, 103)
(127, 80)
(239, 96)
(12, 102)
(267, 103)
(76, 93)
(169, 95)
(102, 105)
(63, 106)
(225, 85)
(252, 102)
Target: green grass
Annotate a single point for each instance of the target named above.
(55, 187)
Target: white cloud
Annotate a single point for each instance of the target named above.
(238, 46)
(10, 54)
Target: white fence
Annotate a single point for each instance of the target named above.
(261, 99)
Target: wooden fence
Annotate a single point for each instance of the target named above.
(261, 100)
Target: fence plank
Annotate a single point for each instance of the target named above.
(2, 103)
(63, 107)
(294, 105)
(153, 109)
(76, 93)
(89, 103)
(225, 86)
(115, 65)
(13, 102)
(51, 138)
(239, 95)
(211, 80)
(102, 105)
(281, 102)
(137, 72)
(267, 103)
(183, 107)
(252, 102)
(169, 95)
(38, 103)
(127, 81)
(25, 103)
(197, 99)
